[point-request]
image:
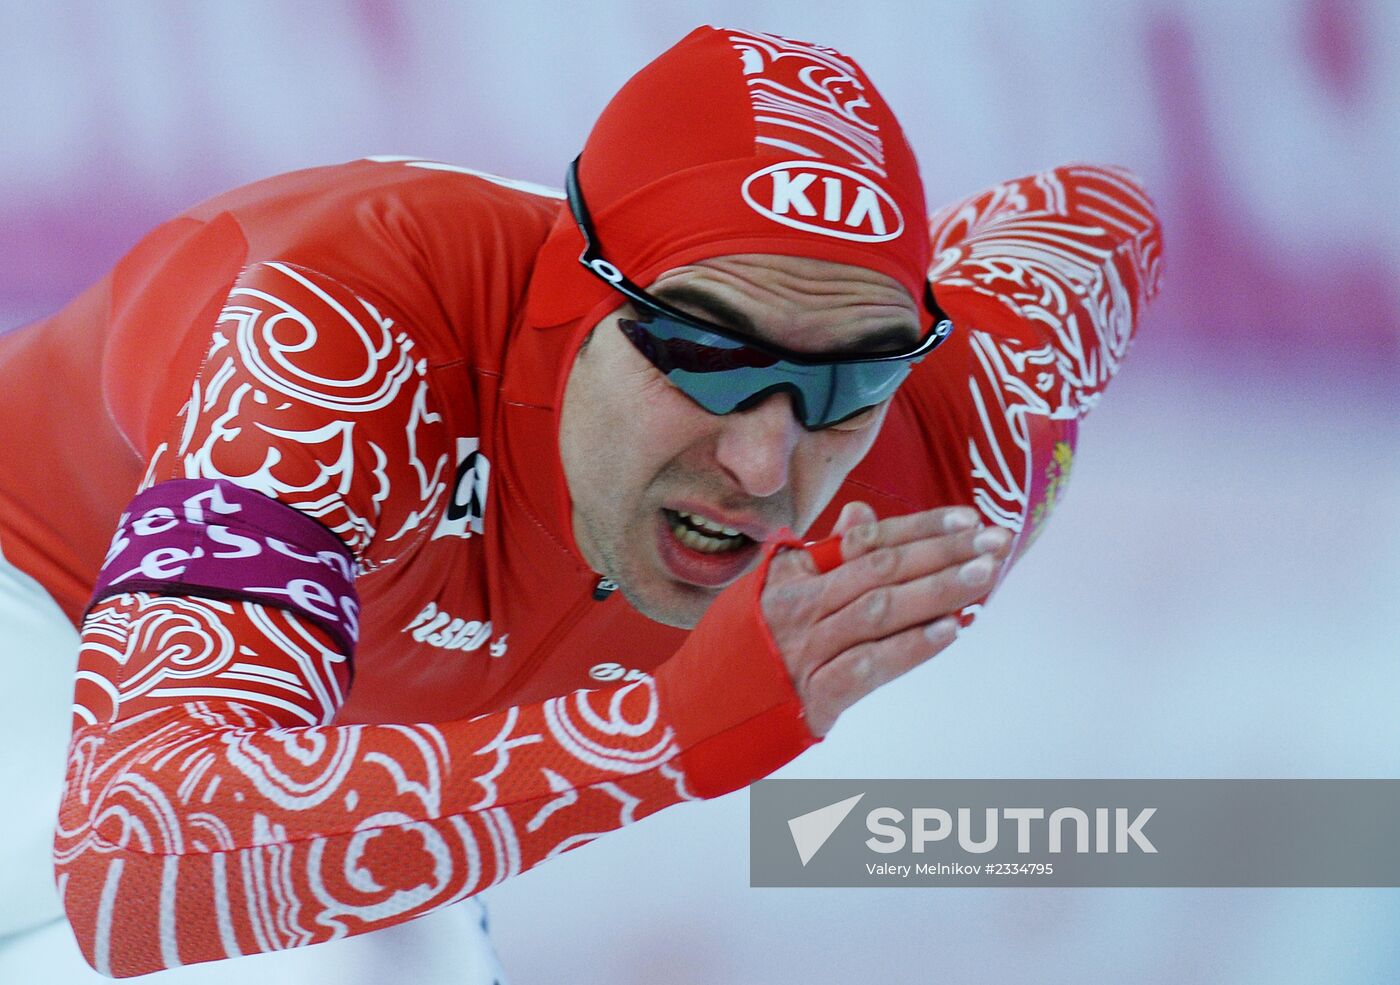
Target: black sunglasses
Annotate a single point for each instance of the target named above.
(724, 371)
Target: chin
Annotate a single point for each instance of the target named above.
(677, 605)
(672, 583)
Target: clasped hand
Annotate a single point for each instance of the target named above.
(891, 605)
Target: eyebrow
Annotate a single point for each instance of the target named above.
(714, 308)
(892, 338)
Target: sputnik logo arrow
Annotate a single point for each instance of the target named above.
(810, 831)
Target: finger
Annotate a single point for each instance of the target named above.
(836, 685)
(894, 530)
(853, 514)
(904, 562)
(889, 609)
(789, 564)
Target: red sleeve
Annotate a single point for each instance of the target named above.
(210, 811)
(201, 819)
(1046, 278)
(314, 396)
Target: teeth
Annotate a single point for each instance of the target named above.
(699, 542)
(700, 521)
(722, 539)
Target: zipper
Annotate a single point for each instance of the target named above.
(602, 589)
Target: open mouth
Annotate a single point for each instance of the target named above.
(705, 536)
(703, 552)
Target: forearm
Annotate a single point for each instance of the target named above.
(1051, 272)
(212, 827)
(1048, 276)
(203, 831)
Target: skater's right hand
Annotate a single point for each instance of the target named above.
(891, 604)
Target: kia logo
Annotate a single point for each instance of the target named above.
(824, 198)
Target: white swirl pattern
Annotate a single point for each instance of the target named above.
(1071, 254)
(804, 94)
(307, 395)
(315, 832)
(261, 331)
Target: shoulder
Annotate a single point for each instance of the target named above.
(445, 251)
(411, 235)
(384, 196)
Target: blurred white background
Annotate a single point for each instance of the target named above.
(1217, 596)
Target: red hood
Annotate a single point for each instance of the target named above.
(557, 317)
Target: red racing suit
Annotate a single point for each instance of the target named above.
(362, 343)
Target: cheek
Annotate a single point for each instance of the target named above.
(645, 412)
(823, 461)
(656, 422)
(650, 426)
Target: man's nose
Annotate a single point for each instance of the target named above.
(756, 445)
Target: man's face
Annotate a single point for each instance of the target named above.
(656, 480)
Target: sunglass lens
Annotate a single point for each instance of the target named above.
(723, 375)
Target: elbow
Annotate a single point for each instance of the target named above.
(109, 881)
(113, 903)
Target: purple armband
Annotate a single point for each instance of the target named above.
(215, 539)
